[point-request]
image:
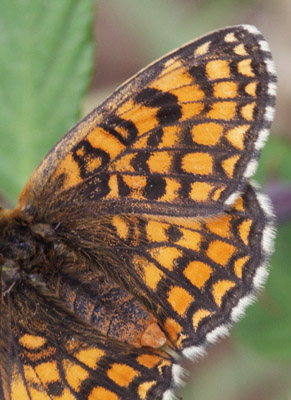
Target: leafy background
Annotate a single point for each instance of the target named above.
(49, 58)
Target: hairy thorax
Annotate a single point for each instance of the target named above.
(24, 247)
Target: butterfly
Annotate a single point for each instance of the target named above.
(139, 240)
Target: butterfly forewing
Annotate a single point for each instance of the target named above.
(179, 138)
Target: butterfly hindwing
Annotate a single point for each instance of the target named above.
(51, 355)
(179, 138)
(199, 275)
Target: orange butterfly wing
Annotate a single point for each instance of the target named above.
(180, 138)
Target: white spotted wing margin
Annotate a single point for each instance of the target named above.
(259, 276)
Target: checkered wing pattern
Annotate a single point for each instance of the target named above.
(199, 275)
(180, 138)
(51, 355)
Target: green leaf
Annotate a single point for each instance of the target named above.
(46, 52)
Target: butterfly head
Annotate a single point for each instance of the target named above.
(23, 250)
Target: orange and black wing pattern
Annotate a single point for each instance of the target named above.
(139, 240)
(199, 275)
(51, 355)
(180, 138)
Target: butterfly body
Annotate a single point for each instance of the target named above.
(21, 249)
(139, 232)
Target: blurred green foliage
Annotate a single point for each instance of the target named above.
(46, 52)
(267, 327)
(275, 161)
